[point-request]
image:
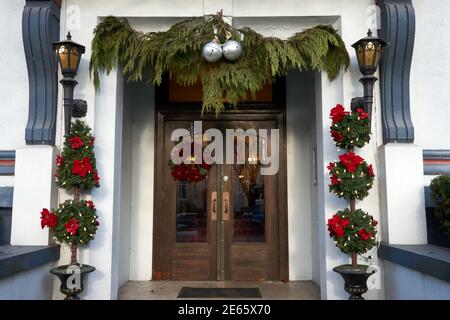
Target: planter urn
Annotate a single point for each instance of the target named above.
(71, 277)
(355, 278)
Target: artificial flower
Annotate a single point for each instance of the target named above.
(364, 234)
(337, 113)
(76, 142)
(72, 226)
(362, 114)
(337, 136)
(370, 170)
(351, 161)
(48, 219)
(82, 167)
(336, 226)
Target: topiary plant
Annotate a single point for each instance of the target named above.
(440, 188)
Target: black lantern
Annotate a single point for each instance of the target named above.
(69, 56)
(368, 51)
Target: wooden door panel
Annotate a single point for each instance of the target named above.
(191, 262)
(249, 262)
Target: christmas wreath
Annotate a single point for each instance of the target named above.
(350, 177)
(190, 172)
(76, 166)
(74, 222)
(353, 231)
(349, 129)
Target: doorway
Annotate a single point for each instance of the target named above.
(228, 226)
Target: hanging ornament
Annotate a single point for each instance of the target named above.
(212, 51)
(232, 50)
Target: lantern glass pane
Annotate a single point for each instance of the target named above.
(377, 56)
(63, 57)
(360, 56)
(74, 58)
(370, 54)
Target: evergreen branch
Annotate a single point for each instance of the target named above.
(177, 51)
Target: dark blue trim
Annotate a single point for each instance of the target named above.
(6, 197)
(398, 29)
(436, 169)
(14, 259)
(7, 170)
(40, 28)
(427, 259)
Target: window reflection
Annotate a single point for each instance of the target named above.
(191, 211)
(248, 200)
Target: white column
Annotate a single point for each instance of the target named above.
(328, 93)
(104, 249)
(34, 190)
(402, 194)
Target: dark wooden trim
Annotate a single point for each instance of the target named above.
(398, 29)
(40, 28)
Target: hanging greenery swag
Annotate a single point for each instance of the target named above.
(177, 51)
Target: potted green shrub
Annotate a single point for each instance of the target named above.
(440, 189)
(353, 230)
(75, 221)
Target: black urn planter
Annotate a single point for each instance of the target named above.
(71, 277)
(355, 278)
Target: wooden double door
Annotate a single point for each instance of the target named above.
(224, 227)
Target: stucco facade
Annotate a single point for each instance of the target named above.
(122, 117)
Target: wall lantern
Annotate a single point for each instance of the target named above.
(368, 52)
(69, 57)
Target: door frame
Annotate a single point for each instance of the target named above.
(165, 111)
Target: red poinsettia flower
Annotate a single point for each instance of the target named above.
(91, 143)
(48, 219)
(362, 114)
(364, 234)
(334, 180)
(72, 226)
(374, 222)
(336, 226)
(59, 160)
(337, 136)
(337, 113)
(76, 142)
(370, 170)
(82, 167)
(351, 161)
(90, 204)
(331, 166)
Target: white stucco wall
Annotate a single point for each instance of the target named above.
(14, 81)
(82, 16)
(299, 127)
(407, 284)
(33, 284)
(430, 74)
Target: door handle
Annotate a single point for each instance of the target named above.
(214, 206)
(226, 206)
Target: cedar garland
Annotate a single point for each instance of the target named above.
(178, 51)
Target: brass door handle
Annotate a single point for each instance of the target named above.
(225, 206)
(214, 206)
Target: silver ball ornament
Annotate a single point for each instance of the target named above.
(232, 50)
(212, 51)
